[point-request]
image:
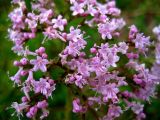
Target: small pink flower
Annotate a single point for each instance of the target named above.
(77, 107)
(45, 16)
(77, 8)
(42, 104)
(19, 108)
(17, 15)
(59, 23)
(32, 112)
(123, 47)
(39, 64)
(75, 34)
(133, 31)
(17, 77)
(44, 87)
(156, 31)
(137, 107)
(109, 92)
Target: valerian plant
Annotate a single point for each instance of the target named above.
(109, 75)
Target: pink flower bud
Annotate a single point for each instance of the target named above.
(93, 50)
(42, 104)
(133, 31)
(41, 50)
(111, 4)
(130, 55)
(31, 35)
(138, 81)
(16, 63)
(29, 115)
(116, 34)
(24, 61)
(135, 56)
(44, 55)
(24, 73)
(82, 54)
(51, 82)
(32, 112)
(64, 35)
(24, 99)
(25, 35)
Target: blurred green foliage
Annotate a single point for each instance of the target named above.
(145, 14)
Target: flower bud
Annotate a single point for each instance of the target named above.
(31, 35)
(41, 49)
(42, 104)
(24, 99)
(16, 63)
(44, 55)
(24, 61)
(32, 112)
(29, 115)
(24, 73)
(93, 50)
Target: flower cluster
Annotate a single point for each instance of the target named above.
(156, 66)
(24, 28)
(112, 73)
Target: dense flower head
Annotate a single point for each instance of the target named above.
(111, 71)
(141, 42)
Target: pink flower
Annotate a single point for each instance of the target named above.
(92, 10)
(32, 24)
(123, 47)
(53, 34)
(44, 87)
(77, 8)
(42, 104)
(17, 77)
(17, 15)
(26, 90)
(19, 108)
(109, 55)
(109, 91)
(45, 113)
(102, 9)
(112, 10)
(158, 53)
(32, 112)
(141, 42)
(45, 16)
(74, 35)
(113, 112)
(77, 107)
(108, 29)
(80, 81)
(39, 64)
(133, 31)
(137, 107)
(156, 31)
(59, 23)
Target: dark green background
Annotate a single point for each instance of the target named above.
(145, 14)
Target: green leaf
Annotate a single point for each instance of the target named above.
(28, 4)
